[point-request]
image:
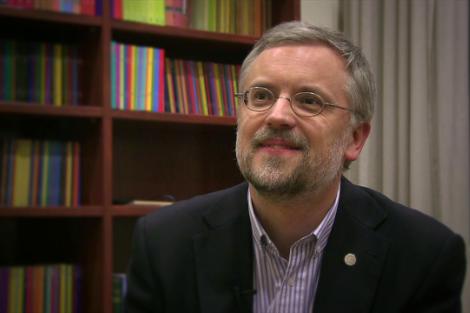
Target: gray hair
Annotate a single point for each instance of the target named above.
(360, 87)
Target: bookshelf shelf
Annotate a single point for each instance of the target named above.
(123, 154)
(132, 210)
(45, 16)
(174, 118)
(15, 107)
(83, 211)
(120, 26)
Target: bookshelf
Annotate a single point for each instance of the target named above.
(125, 155)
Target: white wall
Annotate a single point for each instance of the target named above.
(321, 12)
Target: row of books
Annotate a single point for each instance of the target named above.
(119, 292)
(246, 17)
(86, 7)
(37, 173)
(137, 78)
(40, 72)
(142, 79)
(205, 88)
(144, 11)
(40, 288)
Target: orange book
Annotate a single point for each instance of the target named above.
(38, 294)
(22, 172)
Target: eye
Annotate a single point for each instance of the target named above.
(307, 99)
(260, 96)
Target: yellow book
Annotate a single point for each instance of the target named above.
(45, 174)
(22, 172)
(149, 79)
(234, 73)
(218, 88)
(57, 92)
(12, 290)
(68, 173)
(20, 291)
(202, 86)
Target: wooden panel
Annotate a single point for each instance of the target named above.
(152, 160)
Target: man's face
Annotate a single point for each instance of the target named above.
(280, 153)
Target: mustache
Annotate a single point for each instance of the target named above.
(289, 136)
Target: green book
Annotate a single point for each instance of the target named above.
(155, 12)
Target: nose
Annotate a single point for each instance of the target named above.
(281, 115)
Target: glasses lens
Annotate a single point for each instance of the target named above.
(308, 103)
(260, 98)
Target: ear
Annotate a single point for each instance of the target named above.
(359, 137)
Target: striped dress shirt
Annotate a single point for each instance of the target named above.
(288, 286)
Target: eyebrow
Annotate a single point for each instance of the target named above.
(302, 88)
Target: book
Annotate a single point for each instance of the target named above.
(119, 292)
(151, 202)
(39, 173)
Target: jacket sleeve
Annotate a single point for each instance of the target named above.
(142, 295)
(441, 291)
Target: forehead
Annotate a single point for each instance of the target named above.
(315, 61)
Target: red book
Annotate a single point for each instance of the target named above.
(117, 9)
(88, 7)
(161, 80)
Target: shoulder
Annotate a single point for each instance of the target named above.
(395, 221)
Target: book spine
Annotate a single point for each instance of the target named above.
(122, 76)
(76, 174)
(141, 76)
(149, 79)
(169, 87)
(161, 79)
(22, 172)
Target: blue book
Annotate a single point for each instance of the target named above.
(56, 159)
(156, 105)
(140, 79)
(99, 8)
(114, 83)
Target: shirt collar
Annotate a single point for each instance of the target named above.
(321, 232)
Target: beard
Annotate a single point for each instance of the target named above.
(277, 179)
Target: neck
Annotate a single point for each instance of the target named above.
(288, 220)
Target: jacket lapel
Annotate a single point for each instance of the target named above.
(224, 256)
(354, 256)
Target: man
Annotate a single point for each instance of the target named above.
(298, 237)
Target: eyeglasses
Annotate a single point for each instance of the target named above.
(304, 103)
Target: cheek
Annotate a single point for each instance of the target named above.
(247, 126)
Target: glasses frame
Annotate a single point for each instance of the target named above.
(324, 104)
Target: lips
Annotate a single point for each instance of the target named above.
(277, 143)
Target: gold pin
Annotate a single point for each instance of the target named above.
(350, 259)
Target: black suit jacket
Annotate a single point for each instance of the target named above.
(197, 256)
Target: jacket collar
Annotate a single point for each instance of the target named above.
(224, 255)
(354, 256)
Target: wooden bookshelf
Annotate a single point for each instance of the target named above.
(124, 155)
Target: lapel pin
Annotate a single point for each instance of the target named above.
(350, 259)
